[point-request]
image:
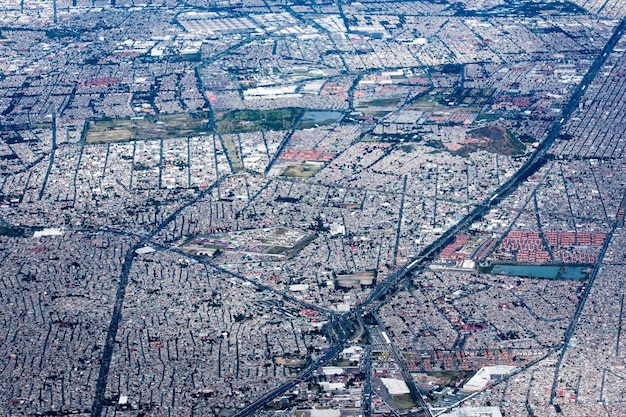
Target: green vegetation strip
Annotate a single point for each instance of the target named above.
(242, 121)
(146, 128)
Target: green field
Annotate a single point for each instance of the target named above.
(149, 127)
(432, 98)
(381, 102)
(403, 402)
(241, 121)
(375, 113)
(231, 149)
(487, 117)
(301, 171)
(447, 378)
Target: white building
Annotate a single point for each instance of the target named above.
(485, 375)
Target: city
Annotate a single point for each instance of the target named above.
(312, 209)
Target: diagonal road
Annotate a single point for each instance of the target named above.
(397, 280)
(343, 325)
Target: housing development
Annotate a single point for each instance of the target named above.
(312, 208)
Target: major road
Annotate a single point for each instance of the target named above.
(341, 326)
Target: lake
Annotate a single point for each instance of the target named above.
(568, 272)
(315, 117)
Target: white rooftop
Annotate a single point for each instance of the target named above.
(482, 378)
(474, 412)
(144, 250)
(48, 232)
(325, 413)
(395, 386)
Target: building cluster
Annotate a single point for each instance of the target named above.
(592, 132)
(217, 207)
(57, 293)
(190, 331)
(584, 375)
